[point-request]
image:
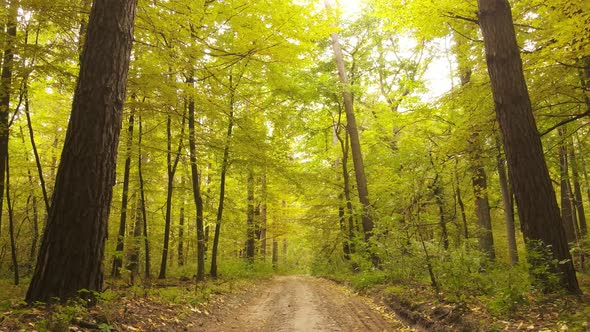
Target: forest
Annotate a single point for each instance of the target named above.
(163, 162)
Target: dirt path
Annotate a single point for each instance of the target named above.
(298, 303)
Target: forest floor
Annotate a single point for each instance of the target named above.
(283, 303)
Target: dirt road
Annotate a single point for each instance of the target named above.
(299, 303)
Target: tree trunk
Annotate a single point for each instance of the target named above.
(250, 224)
(171, 171)
(567, 213)
(263, 208)
(5, 91)
(224, 167)
(537, 207)
(578, 200)
(181, 229)
(72, 248)
(508, 203)
(143, 202)
(13, 249)
(357, 157)
(133, 256)
(198, 200)
(461, 207)
(34, 147)
(482, 205)
(118, 259)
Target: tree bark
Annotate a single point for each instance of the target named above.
(13, 250)
(5, 91)
(508, 202)
(482, 205)
(72, 248)
(133, 255)
(250, 223)
(143, 201)
(567, 213)
(578, 200)
(537, 207)
(118, 258)
(198, 200)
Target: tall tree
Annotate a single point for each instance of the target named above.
(72, 249)
(355, 146)
(118, 258)
(537, 206)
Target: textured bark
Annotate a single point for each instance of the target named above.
(537, 207)
(347, 211)
(508, 202)
(198, 200)
(72, 248)
(118, 259)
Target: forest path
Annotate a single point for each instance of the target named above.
(301, 303)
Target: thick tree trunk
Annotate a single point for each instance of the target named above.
(537, 207)
(118, 259)
(143, 201)
(72, 249)
(508, 202)
(198, 200)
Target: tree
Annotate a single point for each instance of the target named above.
(535, 198)
(72, 249)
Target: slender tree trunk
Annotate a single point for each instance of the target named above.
(567, 216)
(72, 249)
(578, 200)
(224, 167)
(196, 186)
(461, 207)
(250, 224)
(181, 236)
(134, 251)
(537, 207)
(357, 157)
(13, 249)
(171, 166)
(438, 197)
(508, 203)
(263, 208)
(118, 259)
(275, 252)
(143, 202)
(34, 147)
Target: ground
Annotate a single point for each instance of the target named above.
(299, 303)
